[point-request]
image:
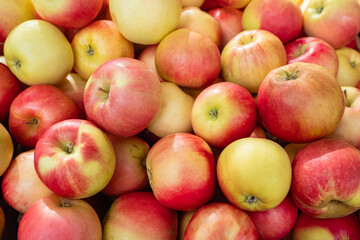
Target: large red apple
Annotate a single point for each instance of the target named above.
(74, 158)
(326, 180)
(181, 171)
(122, 96)
(54, 217)
(35, 109)
(300, 102)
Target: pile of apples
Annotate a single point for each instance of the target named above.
(180, 119)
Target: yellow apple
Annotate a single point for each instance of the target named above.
(349, 67)
(37, 52)
(6, 149)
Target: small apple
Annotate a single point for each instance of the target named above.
(6, 149)
(349, 66)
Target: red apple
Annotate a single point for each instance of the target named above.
(138, 215)
(181, 171)
(35, 109)
(220, 221)
(308, 85)
(122, 96)
(74, 158)
(54, 217)
(326, 180)
(313, 50)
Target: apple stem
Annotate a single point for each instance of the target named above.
(102, 90)
(251, 200)
(65, 203)
(33, 121)
(346, 98)
(90, 51)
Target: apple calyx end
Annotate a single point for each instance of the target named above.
(17, 64)
(65, 203)
(291, 75)
(90, 50)
(213, 113)
(250, 200)
(319, 10)
(352, 64)
(69, 148)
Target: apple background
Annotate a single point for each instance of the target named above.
(143, 78)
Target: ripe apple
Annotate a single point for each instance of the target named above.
(220, 221)
(174, 115)
(277, 222)
(35, 109)
(130, 170)
(293, 148)
(184, 219)
(335, 21)
(254, 173)
(307, 227)
(10, 87)
(181, 171)
(349, 66)
(13, 13)
(223, 113)
(258, 132)
(147, 56)
(195, 3)
(280, 17)
(326, 180)
(308, 85)
(68, 13)
(21, 186)
(74, 158)
(145, 22)
(185, 49)
(250, 56)
(313, 50)
(35, 60)
(233, 3)
(122, 96)
(6, 149)
(197, 20)
(96, 43)
(54, 217)
(138, 215)
(230, 20)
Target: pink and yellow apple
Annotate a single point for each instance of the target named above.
(349, 66)
(147, 56)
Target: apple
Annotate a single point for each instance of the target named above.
(349, 66)
(138, 215)
(308, 85)
(348, 128)
(250, 56)
(233, 3)
(122, 96)
(35, 60)
(254, 173)
(74, 158)
(197, 20)
(181, 171)
(21, 186)
(13, 13)
(307, 227)
(209, 4)
(96, 43)
(35, 109)
(195, 3)
(145, 22)
(184, 219)
(147, 56)
(258, 132)
(194, 92)
(174, 115)
(230, 20)
(6, 149)
(54, 217)
(130, 170)
(277, 222)
(73, 86)
(220, 221)
(293, 148)
(188, 58)
(223, 113)
(325, 182)
(313, 50)
(335, 21)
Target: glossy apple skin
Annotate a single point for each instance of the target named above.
(132, 102)
(313, 50)
(139, 216)
(220, 221)
(10, 87)
(186, 49)
(181, 171)
(21, 186)
(35, 109)
(326, 183)
(130, 171)
(73, 218)
(308, 85)
(223, 113)
(338, 23)
(347, 227)
(74, 158)
(275, 223)
(68, 13)
(349, 66)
